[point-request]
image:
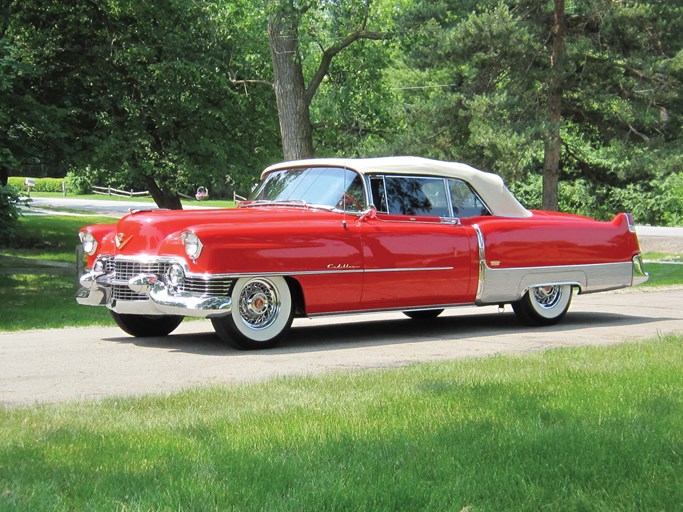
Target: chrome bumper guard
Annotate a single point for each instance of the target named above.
(639, 274)
(97, 290)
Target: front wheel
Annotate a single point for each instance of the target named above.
(543, 305)
(261, 313)
(142, 326)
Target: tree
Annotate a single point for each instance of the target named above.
(555, 86)
(146, 87)
(587, 88)
(25, 122)
(293, 95)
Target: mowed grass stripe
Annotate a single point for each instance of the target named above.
(570, 429)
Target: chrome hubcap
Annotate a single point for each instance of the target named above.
(259, 304)
(547, 297)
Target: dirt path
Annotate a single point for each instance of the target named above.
(92, 363)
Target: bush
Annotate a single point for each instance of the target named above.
(42, 184)
(655, 202)
(78, 183)
(9, 215)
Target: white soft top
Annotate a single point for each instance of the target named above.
(490, 187)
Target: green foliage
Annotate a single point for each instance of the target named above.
(29, 124)
(41, 184)
(657, 202)
(176, 95)
(480, 95)
(80, 182)
(352, 116)
(9, 215)
(151, 103)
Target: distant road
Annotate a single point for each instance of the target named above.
(659, 239)
(95, 206)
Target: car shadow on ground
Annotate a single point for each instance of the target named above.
(365, 332)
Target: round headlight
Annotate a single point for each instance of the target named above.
(193, 246)
(175, 275)
(88, 242)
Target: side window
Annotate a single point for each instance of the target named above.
(353, 198)
(466, 203)
(379, 197)
(416, 196)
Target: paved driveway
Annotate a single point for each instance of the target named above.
(92, 363)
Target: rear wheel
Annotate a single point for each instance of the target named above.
(143, 326)
(544, 305)
(261, 313)
(423, 314)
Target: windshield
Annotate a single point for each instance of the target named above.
(333, 187)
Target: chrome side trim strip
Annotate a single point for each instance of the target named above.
(293, 273)
(416, 269)
(236, 275)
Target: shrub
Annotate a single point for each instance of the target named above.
(42, 184)
(655, 202)
(78, 183)
(9, 215)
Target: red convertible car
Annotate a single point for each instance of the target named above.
(329, 236)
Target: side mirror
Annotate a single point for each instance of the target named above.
(368, 214)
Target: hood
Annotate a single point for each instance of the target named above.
(145, 231)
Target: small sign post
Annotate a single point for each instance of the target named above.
(30, 183)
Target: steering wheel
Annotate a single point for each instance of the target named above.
(348, 199)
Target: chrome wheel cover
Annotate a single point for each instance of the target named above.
(259, 304)
(547, 297)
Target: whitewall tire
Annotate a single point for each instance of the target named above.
(262, 312)
(544, 305)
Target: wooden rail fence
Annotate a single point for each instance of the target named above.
(110, 191)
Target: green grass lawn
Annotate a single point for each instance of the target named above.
(45, 301)
(52, 237)
(590, 429)
(664, 274)
(33, 296)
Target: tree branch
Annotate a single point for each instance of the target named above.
(331, 52)
(244, 83)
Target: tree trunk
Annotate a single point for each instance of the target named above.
(551, 156)
(553, 140)
(163, 198)
(290, 89)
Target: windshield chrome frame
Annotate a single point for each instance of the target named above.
(300, 203)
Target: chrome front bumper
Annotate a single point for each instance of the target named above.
(149, 295)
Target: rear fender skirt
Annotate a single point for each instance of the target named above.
(505, 285)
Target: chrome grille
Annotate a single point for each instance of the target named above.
(123, 270)
(208, 286)
(126, 269)
(120, 292)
